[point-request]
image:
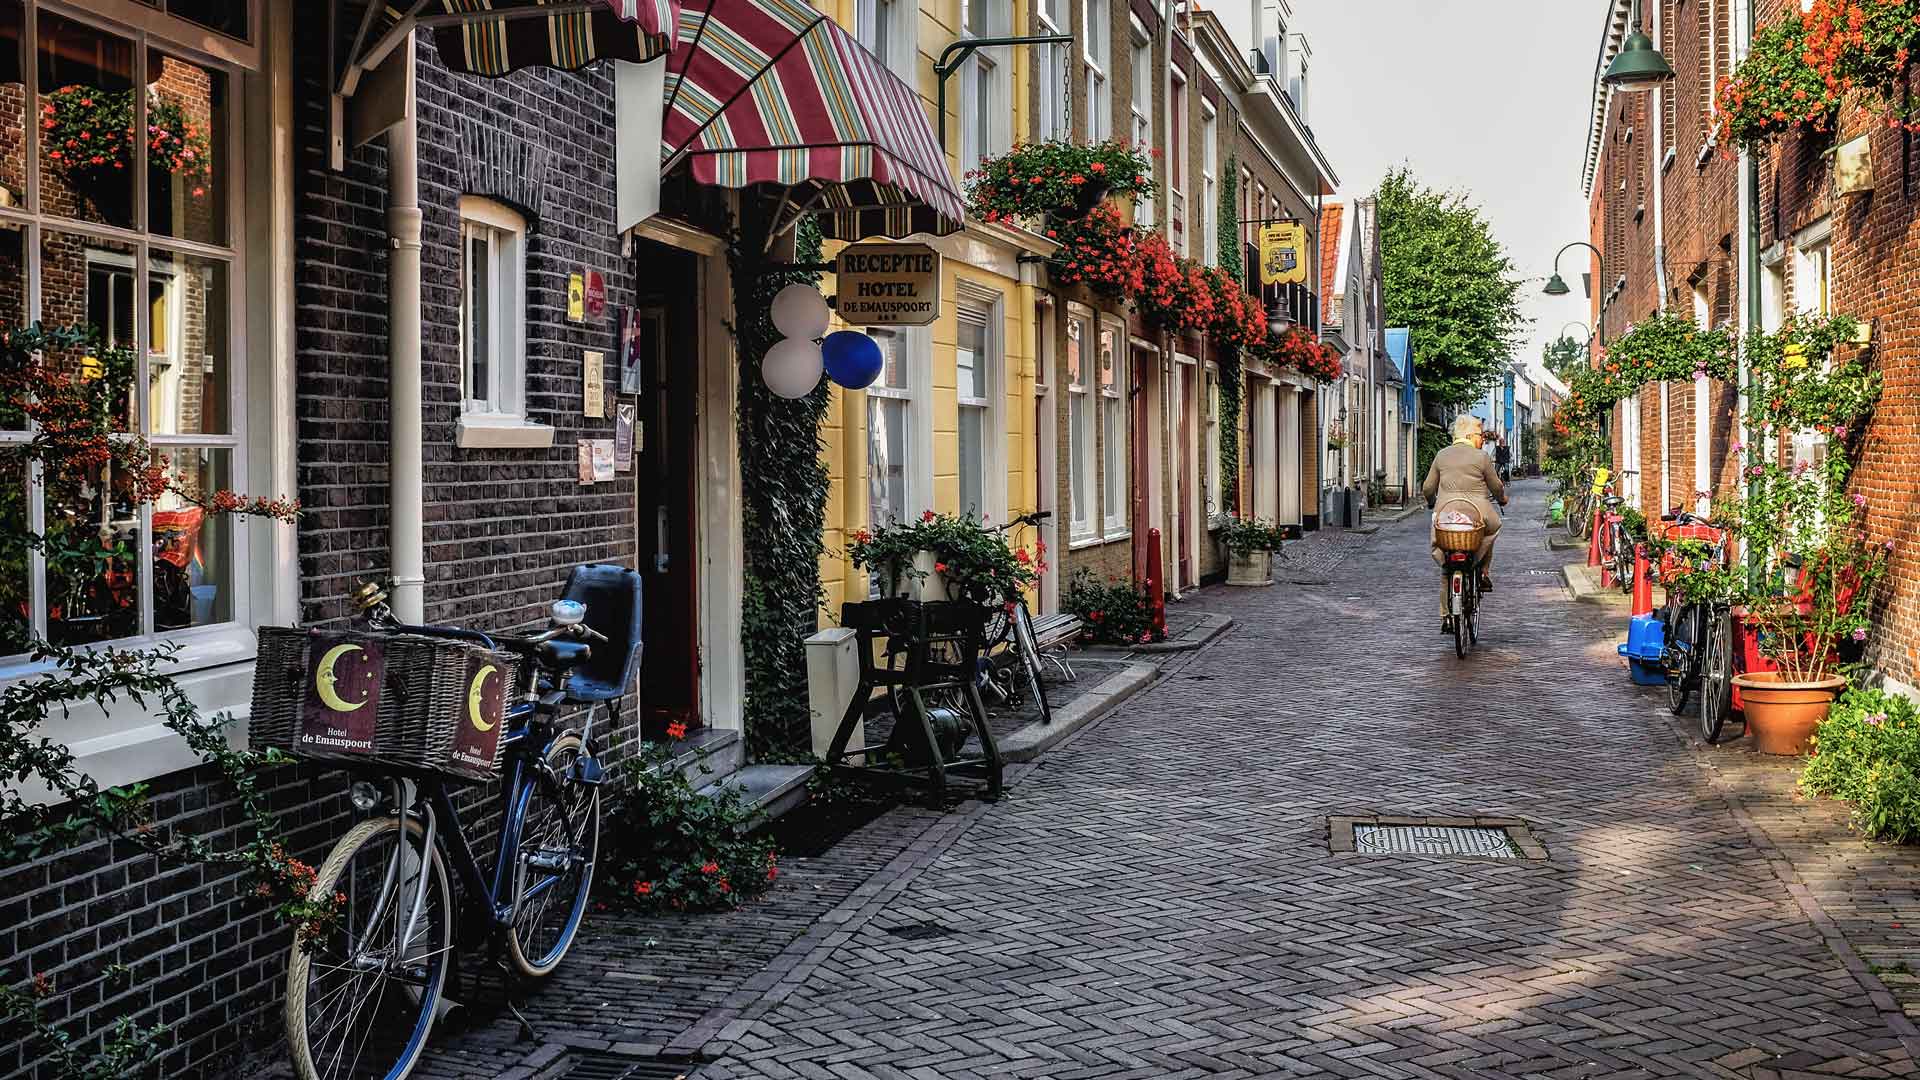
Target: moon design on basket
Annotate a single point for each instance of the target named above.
(476, 693)
(325, 681)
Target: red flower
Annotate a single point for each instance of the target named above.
(927, 515)
(643, 888)
(710, 868)
(677, 730)
(939, 568)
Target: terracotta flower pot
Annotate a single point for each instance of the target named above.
(1782, 715)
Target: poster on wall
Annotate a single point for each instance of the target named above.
(586, 461)
(576, 297)
(595, 404)
(624, 413)
(602, 453)
(630, 351)
(596, 295)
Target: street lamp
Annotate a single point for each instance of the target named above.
(1638, 66)
(1556, 286)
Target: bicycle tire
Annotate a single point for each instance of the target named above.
(1025, 643)
(1683, 644)
(1580, 522)
(1716, 675)
(1622, 559)
(340, 1009)
(1458, 605)
(557, 827)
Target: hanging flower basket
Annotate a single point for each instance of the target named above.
(1239, 318)
(1297, 350)
(1781, 86)
(1099, 252)
(1175, 295)
(89, 134)
(1058, 179)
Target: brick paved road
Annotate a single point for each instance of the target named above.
(1156, 899)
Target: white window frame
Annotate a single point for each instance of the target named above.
(1053, 117)
(1096, 54)
(1140, 107)
(1813, 268)
(1773, 290)
(987, 83)
(1116, 457)
(1082, 465)
(895, 43)
(1210, 501)
(1209, 184)
(495, 416)
(212, 664)
(988, 307)
(1178, 225)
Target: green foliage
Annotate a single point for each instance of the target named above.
(1115, 612)
(1228, 223)
(1774, 89)
(977, 562)
(1563, 355)
(676, 848)
(89, 133)
(1039, 178)
(1797, 383)
(1232, 385)
(125, 1049)
(1245, 536)
(1451, 284)
(1867, 753)
(1432, 441)
(1668, 348)
(783, 504)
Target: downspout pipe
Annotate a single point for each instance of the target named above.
(1660, 268)
(407, 490)
(1750, 206)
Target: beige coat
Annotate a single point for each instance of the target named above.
(1464, 473)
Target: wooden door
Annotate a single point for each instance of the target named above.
(667, 442)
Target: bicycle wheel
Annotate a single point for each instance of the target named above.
(1622, 559)
(1682, 654)
(360, 1000)
(553, 869)
(1024, 643)
(1460, 629)
(1580, 518)
(1716, 674)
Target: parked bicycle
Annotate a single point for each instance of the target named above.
(1013, 671)
(363, 992)
(1616, 541)
(1699, 632)
(1581, 503)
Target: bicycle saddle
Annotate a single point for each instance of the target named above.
(1612, 500)
(558, 657)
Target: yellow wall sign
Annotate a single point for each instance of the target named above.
(576, 297)
(1283, 259)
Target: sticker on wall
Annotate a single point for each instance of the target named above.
(596, 295)
(602, 454)
(624, 413)
(576, 297)
(595, 404)
(630, 351)
(586, 461)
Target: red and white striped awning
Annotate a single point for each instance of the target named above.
(773, 94)
(498, 37)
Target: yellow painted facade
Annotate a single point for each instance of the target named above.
(977, 266)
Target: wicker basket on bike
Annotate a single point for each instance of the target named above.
(1457, 527)
(397, 702)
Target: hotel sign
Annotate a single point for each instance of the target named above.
(888, 285)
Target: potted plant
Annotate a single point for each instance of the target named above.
(1250, 543)
(1058, 179)
(944, 557)
(1809, 593)
(1100, 252)
(1176, 295)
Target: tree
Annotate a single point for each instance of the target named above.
(1450, 283)
(1564, 355)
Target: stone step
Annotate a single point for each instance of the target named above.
(770, 789)
(708, 756)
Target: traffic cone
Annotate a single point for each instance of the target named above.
(1642, 584)
(1593, 540)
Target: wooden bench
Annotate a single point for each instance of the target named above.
(1051, 636)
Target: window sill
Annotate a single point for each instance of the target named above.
(480, 432)
(1079, 543)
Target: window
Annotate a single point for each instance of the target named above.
(985, 118)
(1142, 107)
(1210, 471)
(1813, 270)
(1177, 162)
(885, 28)
(976, 359)
(1114, 495)
(1209, 186)
(493, 317)
(1080, 462)
(1773, 295)
(890, 435)
(1301, 60)
(143, 252)
(1054, 89)
(1097, 38)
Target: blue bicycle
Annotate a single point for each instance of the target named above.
(362, 994)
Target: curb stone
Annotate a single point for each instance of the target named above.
(1035, 739)
(1212, 625)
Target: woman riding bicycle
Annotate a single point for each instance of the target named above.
(1464, 474)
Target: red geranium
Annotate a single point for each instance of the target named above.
(1100, 252)
(1175, 294)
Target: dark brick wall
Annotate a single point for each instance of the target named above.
(503, 527)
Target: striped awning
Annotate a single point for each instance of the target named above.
(498, 37)
(772, 94)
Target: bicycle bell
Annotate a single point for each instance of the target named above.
(568, 612)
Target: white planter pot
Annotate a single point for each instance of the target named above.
(925, 584)
(1252, 570)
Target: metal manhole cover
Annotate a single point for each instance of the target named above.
(592, 1066)
(1433, 840)
(1434, 837)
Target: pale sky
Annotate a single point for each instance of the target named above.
(1489, 96)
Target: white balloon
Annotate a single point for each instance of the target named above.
(799, 311)
(792, 368)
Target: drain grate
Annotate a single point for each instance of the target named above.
(1434, 837)
(919, 931)
(592, 1066)
(1433, 840)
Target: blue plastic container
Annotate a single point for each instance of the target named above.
(1646, 641)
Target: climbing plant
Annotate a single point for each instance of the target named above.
(1230, 380)
(783, 486)
(1229, 219)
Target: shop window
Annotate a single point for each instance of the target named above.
(1113, 432)
(1081, 467)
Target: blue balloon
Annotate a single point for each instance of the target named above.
(853, 359)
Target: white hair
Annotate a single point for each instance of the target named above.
(1466, 426)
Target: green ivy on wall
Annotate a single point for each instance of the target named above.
(1231, 382)
(783, 503)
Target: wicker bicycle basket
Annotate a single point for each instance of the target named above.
(436, 705)
(1453, 536)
